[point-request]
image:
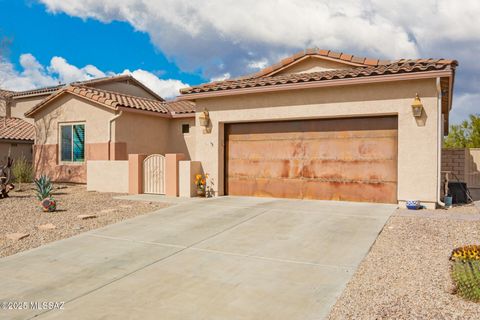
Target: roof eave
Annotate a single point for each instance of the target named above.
(318, 84)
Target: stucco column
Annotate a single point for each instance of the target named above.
(171, 173)
(135, 173)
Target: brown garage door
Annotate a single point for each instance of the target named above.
(353, 159)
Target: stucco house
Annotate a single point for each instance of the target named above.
(80, 123)
(317, 125)
(16, 134)
(328, 125)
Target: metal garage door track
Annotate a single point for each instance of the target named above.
(221, 258)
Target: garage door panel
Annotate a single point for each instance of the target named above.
(287, 168)
(353, 191)
(266, 149)
(354, 170)
(275, 188)
(355, 148)
(340, 159)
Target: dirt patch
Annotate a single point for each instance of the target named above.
(406, 274)
(21, 214)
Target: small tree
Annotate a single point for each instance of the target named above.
(464, 135)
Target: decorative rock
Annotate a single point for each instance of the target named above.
(17, 236)
(126, 206)
(48, 226)
(86, 216)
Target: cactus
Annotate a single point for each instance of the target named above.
(466, 253)
(44, 188)
(466, 275)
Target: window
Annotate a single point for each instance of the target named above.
(185, 128)
(72, 144)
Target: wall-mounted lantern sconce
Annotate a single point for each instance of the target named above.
(417, 107)
(204, 118)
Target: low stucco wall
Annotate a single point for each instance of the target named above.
(107, 176)
(187, 172)
(417, 138)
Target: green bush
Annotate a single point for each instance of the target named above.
(22, 170)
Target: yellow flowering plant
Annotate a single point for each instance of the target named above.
(201, 181)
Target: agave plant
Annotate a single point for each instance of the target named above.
(44, 187)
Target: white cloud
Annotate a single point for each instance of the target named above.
(237, 37)
(35, 75)
(166, 88)
(464, 105)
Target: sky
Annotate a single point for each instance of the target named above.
(170, 44)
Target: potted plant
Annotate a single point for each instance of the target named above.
(44, 193)
(201, 183)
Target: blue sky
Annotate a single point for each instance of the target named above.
(111, 46)
(168, 44)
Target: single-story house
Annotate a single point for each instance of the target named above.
(81, 123)
(317, 125)
(16, 134)
(22, 101)
(16, 139)
(327, 125)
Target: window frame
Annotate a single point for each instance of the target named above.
(71, 124)
(189, 127)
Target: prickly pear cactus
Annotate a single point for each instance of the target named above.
(471, 252)
(465, 271)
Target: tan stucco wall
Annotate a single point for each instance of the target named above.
(148, 134)
(312, 64)
(417, 140)
(179, 142)
(126, 88)
(107, 176)
(19, 106)
(15, 151)
(72, 109)
(143, 133)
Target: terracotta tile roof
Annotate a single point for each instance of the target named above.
(45, 90)
(398, 67)
(119, 78)
(116, 100)
(16, 129)
(6, 93)
(321, 53)
(181, 107)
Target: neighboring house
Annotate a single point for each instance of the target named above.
(327, 125)
(22, 101)
(79, 123)
(14, 104)
(16, 139)
(16, 135)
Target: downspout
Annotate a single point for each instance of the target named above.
(110, 130)
(439, 141)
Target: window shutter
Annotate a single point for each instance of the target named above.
(79, 142)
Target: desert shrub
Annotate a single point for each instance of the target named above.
(22, 170)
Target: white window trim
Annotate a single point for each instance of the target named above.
(64, 124)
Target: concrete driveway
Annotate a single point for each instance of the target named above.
(221, 258)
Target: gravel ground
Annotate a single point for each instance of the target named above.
(406, 274)
(21, 213)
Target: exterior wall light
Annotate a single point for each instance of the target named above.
(204, 118)
(417, 107)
